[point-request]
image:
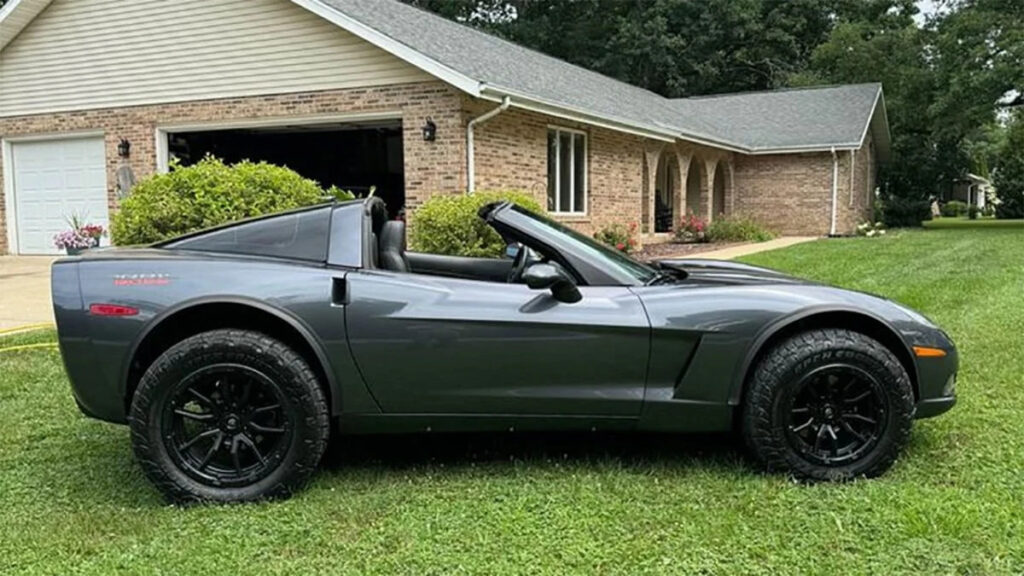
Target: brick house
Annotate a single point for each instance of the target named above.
(362, 93)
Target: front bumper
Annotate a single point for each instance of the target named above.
(936, 382)
(934, 407)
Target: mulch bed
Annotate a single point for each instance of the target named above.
(679, 250)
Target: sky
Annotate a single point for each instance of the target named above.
(925, 7)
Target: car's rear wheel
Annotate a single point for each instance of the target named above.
(229, 416)
(828, 405)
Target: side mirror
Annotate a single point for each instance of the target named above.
(542, 276)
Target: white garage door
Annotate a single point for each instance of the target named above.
(53, 181)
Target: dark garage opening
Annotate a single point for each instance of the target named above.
(352, 156)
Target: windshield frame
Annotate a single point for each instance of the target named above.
(595, 263)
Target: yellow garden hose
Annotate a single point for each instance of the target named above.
(29, 346)
(26, 328)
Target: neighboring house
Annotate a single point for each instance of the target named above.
(972, 190)
(362, 93)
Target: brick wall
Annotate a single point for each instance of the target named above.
(511, 153)
(429, 166)
(856, 195)
(790, 193)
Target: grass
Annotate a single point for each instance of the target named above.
(72, 501)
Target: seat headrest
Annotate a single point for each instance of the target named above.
(392, 235)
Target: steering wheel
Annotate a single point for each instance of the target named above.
(519, 265)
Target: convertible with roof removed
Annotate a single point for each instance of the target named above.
(230, 352)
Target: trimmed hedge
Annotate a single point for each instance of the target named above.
(448, 224)
(210, 193)
(737, 229)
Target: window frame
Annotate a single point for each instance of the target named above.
(558, 131)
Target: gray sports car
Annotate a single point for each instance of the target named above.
(231, 352)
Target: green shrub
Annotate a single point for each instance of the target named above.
(210, 193)
(737, 229)
(449, 224)
(898, 212)
(973, 212)
(953, 209)
(618, 236)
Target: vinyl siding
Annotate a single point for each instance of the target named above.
(94, 54)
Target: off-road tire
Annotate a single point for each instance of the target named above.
(304, 406)
(775, 380)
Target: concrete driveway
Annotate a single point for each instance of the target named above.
(25, 291)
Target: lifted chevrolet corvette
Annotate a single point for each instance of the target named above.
(230, 352)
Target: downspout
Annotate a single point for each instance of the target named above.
(470, 163)
(835, 190)
(853, 171)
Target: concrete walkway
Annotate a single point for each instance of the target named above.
(753, 248)
(25, 291)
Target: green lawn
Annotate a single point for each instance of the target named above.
(73, 501)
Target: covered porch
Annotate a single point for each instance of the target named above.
(679, 179)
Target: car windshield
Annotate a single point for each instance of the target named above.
(614, 260)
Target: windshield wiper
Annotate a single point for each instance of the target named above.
(661, 278)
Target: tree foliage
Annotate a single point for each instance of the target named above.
(673, 47)
(1009, 172)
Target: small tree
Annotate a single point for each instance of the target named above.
(1009, 174)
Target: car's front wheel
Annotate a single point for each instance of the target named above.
(828, 404)
(229, 416)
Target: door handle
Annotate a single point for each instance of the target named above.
(339, 292)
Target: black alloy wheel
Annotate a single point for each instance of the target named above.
(229, 416)
(828, 404)
(226, 425)
(836, 414)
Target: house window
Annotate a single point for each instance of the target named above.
(567, 171)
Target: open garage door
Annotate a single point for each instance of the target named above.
(354, 156)
(53, 181)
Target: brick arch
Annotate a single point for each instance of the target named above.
(718, 197)
(695, 191)
(649, 167)
(666, 187)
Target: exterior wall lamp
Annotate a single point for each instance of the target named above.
(429, 130)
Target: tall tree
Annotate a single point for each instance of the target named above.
(673, 47)
(1009, 172)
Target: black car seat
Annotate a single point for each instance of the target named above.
(392, 247)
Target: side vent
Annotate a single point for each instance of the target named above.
(339, 292)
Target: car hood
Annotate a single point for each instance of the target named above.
(724, 272)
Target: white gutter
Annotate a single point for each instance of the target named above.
(835, 190)
(470, 163)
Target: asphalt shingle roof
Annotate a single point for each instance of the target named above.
(795, 118)
(758, 121)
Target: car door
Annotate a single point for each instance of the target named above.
(427, 344)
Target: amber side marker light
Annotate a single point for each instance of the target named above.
(112, 310)
(926, 352)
